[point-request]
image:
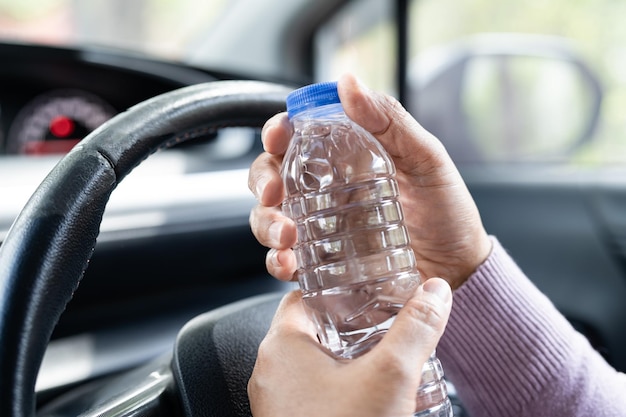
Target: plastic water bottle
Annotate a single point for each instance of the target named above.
(356, 267)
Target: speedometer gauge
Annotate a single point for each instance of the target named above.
(54, 122)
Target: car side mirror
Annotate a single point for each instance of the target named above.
(506, 98)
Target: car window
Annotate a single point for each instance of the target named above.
(521, 82)
(360, 38)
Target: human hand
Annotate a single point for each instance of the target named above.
(446, 231)
(295, 375)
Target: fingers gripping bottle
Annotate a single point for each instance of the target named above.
(356, 267)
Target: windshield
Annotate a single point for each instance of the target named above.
(151, 27)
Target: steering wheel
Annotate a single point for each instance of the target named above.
(48, 248)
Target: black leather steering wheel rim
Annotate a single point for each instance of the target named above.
(49, 245)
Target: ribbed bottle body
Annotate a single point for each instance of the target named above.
(356, 267)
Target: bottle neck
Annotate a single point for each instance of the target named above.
(329, 112)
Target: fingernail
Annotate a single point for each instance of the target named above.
(269, 125)
(272, 256)
(360, 84)
(260, 186)
(275, 232)
(438, 287)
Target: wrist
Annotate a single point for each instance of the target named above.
(479, 251)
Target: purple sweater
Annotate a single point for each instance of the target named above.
(509, 352)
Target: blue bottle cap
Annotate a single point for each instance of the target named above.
(314, 95)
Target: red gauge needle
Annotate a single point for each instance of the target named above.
(61, 126)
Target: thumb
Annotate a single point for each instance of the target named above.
(373, 111)
(409, 144)
(419, 325)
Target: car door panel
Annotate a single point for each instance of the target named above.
(554, 233)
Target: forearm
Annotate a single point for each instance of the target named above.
(509, 352)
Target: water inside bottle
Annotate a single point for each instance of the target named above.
(353, 317)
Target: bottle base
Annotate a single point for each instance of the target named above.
(441, 410)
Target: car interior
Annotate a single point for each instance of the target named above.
(130, 281)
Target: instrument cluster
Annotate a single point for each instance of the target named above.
(52, 97)
(54, 121)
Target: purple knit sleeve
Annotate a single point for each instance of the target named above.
(509, 352)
